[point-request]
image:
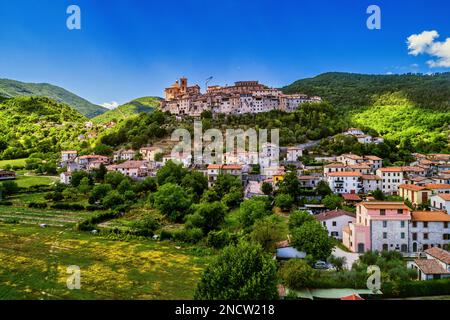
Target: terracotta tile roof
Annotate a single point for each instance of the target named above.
(444, 196)
(308, 178)
(335, 165)
(439, 254)
(345, 174)
(370, 177)
(131, 164)
(383, 205)
(351, 197)
(214, 166)
(359, 166)
(232, 167)
(333, 214)
(437, 186)
(352, 156)
(70, 152)
(415, 169)
(430, 216)
(391, 169)
(412, 187)
(373, 158)
(430, 266)
(353, 297)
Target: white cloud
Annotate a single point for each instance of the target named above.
(110, 105)
(425, 43)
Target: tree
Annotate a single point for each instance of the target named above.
(225, 183)
(145, 226)
(333, 201)
(233, 198)
(114, 178)
(298, 218)
(207, 216)
(267, 233)
(253, 209)
(290, 185)
(196, 182)
(313, 239)
(171, 173)
(338, 262)
(323, 189)
(84, 186)
(100, 173)
(9, 188)
(297, 274)
(70, 193)
(99, 192)
(378, 195)
(77, 176)
(113, 199)
(267, 188)
(241, 272)
(124, 186)
(172, 200)
(284, 201)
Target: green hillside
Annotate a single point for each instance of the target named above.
(130, 109)
(348, 89)
(12, 88)
(411, 110)
(37, 124)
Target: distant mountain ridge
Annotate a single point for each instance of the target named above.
(130, 109)
(12, 88)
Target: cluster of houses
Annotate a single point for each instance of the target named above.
(243, 97)
(363, 137)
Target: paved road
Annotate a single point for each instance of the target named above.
(349, 256)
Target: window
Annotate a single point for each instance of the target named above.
(414, 224)
(384, 235)
(402, 235)
(446, 225)
(400, 211)
(334, 224)
(446, 236)
(402, 224)
(425, 236)
(385, 247)
(414, 236)
(425, 224)
(384, 224)
(383, 212)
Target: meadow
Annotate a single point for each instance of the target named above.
(34, 266)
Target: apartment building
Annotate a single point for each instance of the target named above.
(429, 229)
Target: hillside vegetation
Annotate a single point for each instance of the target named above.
(348, 89)
(411, 110)
(35, 124)
(129, 110)
(12, 88)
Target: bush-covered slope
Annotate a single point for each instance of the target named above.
(11, 88)
(130, 109)
(37, 124)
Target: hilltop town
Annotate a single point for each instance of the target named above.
(244, 97)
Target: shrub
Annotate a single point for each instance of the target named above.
(6, 203)
(416, 288)
(37, 205)
(297, 274)
(145, 227)
(68, 206)
(165, 235)
(191, 235)
(218, 239)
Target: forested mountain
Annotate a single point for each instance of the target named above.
(12, 88)
(130, 109)
(355, 90)
(37, 125)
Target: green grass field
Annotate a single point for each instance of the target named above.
(29, 181)
(16, 162)
(34, 265)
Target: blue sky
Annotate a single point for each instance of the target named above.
(132, 48)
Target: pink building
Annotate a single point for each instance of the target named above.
(379, 226)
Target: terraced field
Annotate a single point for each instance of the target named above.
(57, 218)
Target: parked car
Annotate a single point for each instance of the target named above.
(322, 265)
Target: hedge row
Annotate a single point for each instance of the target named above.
(417, 289)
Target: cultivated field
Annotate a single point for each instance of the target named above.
(34, 265)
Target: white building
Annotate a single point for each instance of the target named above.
(68, 156)
(149, 153)
(65, 177)
(345, 182)
(435, 266)
(441, 202)
(371, 182)
(429, 229)
(132, 168)
(334, 221)
(293, 153)
(124, 155)
(392, 178)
